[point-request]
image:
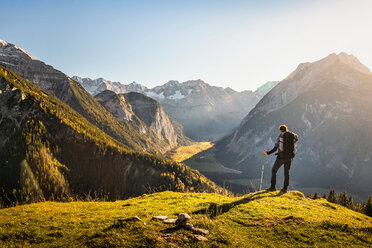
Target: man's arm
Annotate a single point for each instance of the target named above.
(274, 149)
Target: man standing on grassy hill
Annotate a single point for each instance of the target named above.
(286, 146)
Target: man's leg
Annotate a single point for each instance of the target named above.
(278, 163)
(287, 167)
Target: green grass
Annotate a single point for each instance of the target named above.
(185, 152)
(256, 220)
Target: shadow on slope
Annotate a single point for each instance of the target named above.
(215, 210)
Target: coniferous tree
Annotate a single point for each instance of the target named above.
(310, 195)
(368, 208)
(350, 203)
(359, 208)
(332, 196)
(315, 196)
(342, 199)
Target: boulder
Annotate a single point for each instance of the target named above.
(200, 231)
(182, 220)
(169, 221)
(200, 238)
(189, 227)
(132, 218)
(160, 217)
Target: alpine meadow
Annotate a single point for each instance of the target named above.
(185, 123)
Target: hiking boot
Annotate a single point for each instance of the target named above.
(271, 189)
(284, 191)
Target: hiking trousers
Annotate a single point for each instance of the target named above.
(278, 163)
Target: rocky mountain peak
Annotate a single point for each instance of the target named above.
(179, 90)
(228, 89)
(135, 87)
(10, 50)
(353, 62)
(3, 43)
(307, 69)
(78, 79)
(95, 86)
(134, 83)
(172, 83)
(195, 84)
(330, 69)
(341, 58)
(43, 76)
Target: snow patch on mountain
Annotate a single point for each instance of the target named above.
(154, 95)
(176, 95)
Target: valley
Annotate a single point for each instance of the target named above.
(182, 153)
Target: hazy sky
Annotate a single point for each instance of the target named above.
(240, 44)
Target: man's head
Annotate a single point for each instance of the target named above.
(283, 128)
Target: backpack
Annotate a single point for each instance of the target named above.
(287, 145)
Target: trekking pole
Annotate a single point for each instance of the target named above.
(263, 164)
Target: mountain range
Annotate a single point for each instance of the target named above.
(133, 133)
(48, 151)
(58, 142)
(206, 112)
(328, 104)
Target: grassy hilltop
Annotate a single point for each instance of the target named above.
(259, 219)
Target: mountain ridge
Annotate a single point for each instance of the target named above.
(86, 82)
(206, 112)
(71, 92)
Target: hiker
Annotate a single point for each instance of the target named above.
(286, 146)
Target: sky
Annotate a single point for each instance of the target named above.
(237, 44)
